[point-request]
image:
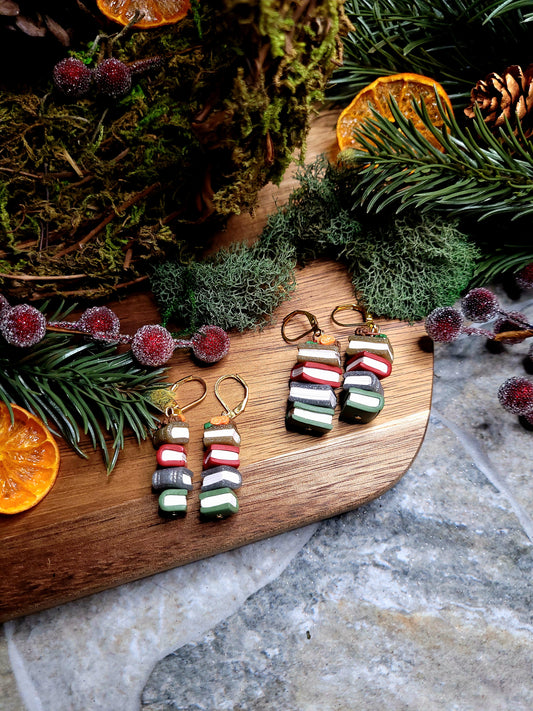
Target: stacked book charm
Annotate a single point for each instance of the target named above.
(220, 475)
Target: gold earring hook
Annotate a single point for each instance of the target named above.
(176, 410)
(368, 326)
(231, 413)
(315, 328)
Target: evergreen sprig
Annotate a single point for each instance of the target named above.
(81, 389)
(476, 176)
(453, 41)
(481, 175)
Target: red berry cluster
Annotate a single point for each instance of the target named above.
(152, 345)
(446, 324)
(111, 77)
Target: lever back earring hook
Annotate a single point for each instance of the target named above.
(366, 327)
(177, 411)
(231, 413)
(315, 328)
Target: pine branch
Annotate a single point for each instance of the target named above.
(479, 177)
(453, 41)
(501, 8)
(82, 389)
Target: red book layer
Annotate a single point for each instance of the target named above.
(171, 455)
(221, 455)
(371, 362)
(319, 373)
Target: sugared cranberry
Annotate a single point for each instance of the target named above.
(152, 345)
(72, 77)
(210, 344)
(100, 323)
(444, 324)
(480, 305)
(516, 395)
(112, 78)
(23, 325)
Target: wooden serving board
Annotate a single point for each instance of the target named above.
(94, 532)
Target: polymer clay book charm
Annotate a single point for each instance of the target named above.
(222, 443)
(369, 358)
(313, 379)
(172, 480)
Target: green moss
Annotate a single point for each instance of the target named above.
(238, 288)
(252, 77)
(401, 268)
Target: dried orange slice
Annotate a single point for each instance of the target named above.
(29, 460)
(404, 88)
(154, 12)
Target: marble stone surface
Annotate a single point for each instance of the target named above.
(420, 600)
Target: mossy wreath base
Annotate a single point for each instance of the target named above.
(93, 190)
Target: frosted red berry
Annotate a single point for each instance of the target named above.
(480, 305)
(152, 345)
(524, 278)
(72, 77)
(210, 344)
(516, 395)
(23, 326)
(444, 324)
(100, 323)
(112, 78)
(512, 321)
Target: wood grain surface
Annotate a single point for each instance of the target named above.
(93, 532)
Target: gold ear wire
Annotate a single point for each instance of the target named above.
(231, 413)
(367, 326)
(176, 410)
(315, 328)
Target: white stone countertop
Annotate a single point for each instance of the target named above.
(421, 600)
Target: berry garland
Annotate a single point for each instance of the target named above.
(92, 387)
(152, 345)
(446, 323)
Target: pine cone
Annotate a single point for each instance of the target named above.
(509, 95)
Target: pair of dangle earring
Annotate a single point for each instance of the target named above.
(172, 480)
(318, 372)
(313, 379)
(369, 358)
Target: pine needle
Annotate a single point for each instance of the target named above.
(82, 389)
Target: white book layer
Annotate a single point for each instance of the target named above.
(220, 476)
(214, 434)
(359, 378)
(317, 417)
(169, 455)
(178, 432)
(223, 454)
(300, 393)
(377, 345)
(359, 399)
(175, 500)
(212, 501)
(316, 354)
